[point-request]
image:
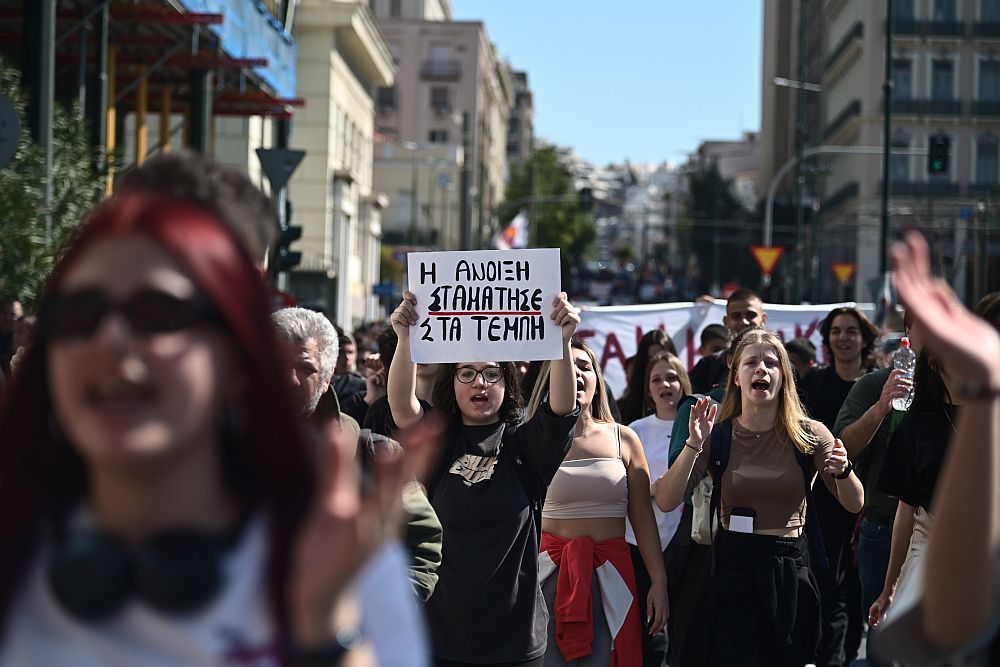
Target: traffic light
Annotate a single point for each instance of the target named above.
(285, 259)
(937, 154)
(586, 199)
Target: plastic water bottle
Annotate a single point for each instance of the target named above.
(905, 360)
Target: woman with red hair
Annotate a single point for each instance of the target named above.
(161, 505)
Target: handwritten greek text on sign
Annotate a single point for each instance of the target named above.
(484, 305)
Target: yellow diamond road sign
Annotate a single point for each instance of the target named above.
(767, 256)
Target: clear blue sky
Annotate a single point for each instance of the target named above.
(640, 79)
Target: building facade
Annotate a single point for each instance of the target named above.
(945, 74)
(521, 126)
(343, 57)
(448, 112)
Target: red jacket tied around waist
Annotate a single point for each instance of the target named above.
(578, 559)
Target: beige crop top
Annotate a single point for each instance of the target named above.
(594, 488)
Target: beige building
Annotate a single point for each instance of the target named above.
(946, 82)
(452, 97)
(342, 57)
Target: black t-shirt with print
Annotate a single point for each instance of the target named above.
(915, 455)
(487, 606)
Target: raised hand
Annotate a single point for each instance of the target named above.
(969, 345)
(565, 315)
(836, 463)
(345, 525)
(375, 385)
(405, 316)
(701, 421)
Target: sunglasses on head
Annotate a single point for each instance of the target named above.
(467, 374)
(78, 314)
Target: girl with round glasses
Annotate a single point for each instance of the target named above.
(487, 607)
(161, 504)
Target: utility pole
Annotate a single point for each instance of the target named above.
(800, 138)
(883, 246)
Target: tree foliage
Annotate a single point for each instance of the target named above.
(26, 258)
(711, 207)
(556, 224)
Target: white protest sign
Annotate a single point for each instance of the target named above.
(614, 332)
(484, 305)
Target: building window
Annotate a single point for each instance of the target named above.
(438, 136)
(989, 81)
(440, 99)
(385, 99)
(944, 11)
(395, 8)
(989, 11)
(441, 52)
(902, 79)
(900, 163)
(402, 209)
(987, 161)
(902, 10)
(943, 80)
(514, 127)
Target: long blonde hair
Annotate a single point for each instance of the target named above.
(791, 422)
(600, 409)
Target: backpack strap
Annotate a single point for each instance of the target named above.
(719, 447)
(814, 533)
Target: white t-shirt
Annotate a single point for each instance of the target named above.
(654, 433)
(234, 630)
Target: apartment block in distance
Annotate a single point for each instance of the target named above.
(343, 57)
(946, 83)
(443, 161)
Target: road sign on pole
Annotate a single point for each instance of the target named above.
(767, 257)
(844, 271)
(278, 165)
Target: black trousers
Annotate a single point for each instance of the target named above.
(764, 607)
(687, 580)
(654, 648)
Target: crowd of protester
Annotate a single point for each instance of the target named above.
(191, 478)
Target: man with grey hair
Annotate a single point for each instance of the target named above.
(313, 350)
(390, 618)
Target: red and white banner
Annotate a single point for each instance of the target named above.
(614, 332)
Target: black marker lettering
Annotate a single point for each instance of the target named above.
(424, 272)
(426, 326)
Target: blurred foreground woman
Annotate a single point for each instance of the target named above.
(161, 506)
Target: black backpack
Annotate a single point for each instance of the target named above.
(720, 447)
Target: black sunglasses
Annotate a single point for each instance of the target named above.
(467, 374)
(149, 311)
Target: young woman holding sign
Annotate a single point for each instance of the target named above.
(487, 607)
(585, 561)
(762, 599)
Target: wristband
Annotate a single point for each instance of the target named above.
(976, 391)
(330, 654)
(847, 471)
(696, 451)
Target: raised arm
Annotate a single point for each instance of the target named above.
(966, 535)
(647, 537)
(672, 486)
(562, 373)
(402, 389)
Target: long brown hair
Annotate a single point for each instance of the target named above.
(269, 469)
(600, 408)
(632, 405)
(791, 422)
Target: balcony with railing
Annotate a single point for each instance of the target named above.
(846, 193)
(924, 189)
(856, 32)
(926, 107)
(986, 108)
(438, 69)
(850, 111)
(986, 29)
(912, 28)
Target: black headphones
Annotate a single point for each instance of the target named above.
(93, 574)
